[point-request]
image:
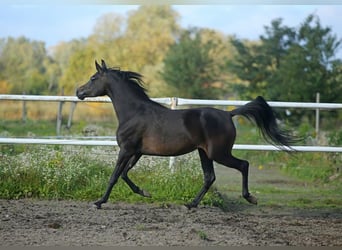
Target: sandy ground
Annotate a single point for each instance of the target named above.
(71, 223)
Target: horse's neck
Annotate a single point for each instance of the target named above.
(126, 103)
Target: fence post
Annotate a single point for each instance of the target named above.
(71, 114)
(59, 116)
(24, 112)
(317, 116)
(174, 103)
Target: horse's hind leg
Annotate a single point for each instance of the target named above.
(242, 166)
(209, 178)
(129, 182)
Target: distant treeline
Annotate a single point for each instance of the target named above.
(286, 63)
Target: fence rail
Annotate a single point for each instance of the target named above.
(170, 100)
(114, 143)
(173, 102)
(49, 98)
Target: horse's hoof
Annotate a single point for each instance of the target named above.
(146, 194)
(190, 205)
(97, 205)
(251, 199)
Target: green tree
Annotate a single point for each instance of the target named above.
(247, 65)
(24, 65)
(310, 66)
(290, 64)
(189, 66)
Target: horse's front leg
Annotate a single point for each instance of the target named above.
(120, 166)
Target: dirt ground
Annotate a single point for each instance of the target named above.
(71, 223)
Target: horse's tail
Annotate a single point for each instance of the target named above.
(263, 115)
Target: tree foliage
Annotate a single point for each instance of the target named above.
(190, 67)
(137, 43)
(290, 64)
(26, 67)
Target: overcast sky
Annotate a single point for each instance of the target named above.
(53, 23)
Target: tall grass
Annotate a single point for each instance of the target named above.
(55, 172)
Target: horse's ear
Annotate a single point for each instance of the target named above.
(98, 67)
(104, 66)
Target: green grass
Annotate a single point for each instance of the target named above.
(278, 179)
(39, 128)
(30, 127)
(305, 180)
(55, 172)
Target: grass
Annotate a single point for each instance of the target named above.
(51, 172)
(202, 235)
(282, 180)
(302, 180)
(82, 173)
(32, 128)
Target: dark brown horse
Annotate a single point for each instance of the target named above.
(148, 128)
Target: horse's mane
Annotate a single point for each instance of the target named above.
(134, 80)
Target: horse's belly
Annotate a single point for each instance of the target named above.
(166, 146)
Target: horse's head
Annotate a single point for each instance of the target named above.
(96, 86)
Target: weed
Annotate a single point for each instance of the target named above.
(202, 235)
(140, 227)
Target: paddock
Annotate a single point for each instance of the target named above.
(75, 223)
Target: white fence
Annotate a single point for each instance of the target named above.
(173, 103)
(178, 101)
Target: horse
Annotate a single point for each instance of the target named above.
(146, 127)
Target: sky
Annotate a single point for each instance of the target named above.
(54, 23)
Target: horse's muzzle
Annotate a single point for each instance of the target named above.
(80, 94)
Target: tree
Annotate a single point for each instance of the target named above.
(80, 67)
(150, 31)
(247, 65)
(137, 43)
(310, 65)
(24, 65)
(189, 66)
(290, 64)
